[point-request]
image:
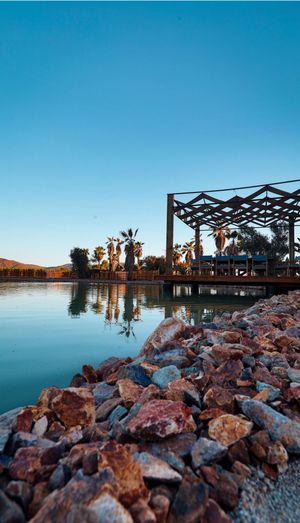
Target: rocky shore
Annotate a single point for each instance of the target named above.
(178, 434)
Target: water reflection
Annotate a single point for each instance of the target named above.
(123, 305)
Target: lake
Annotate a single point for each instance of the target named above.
(49, 330)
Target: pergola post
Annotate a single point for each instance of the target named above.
(170, 234)
(291, 241)
(197, 242)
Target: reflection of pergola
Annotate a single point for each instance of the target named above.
(265, 206)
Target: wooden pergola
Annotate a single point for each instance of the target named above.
(262, 206)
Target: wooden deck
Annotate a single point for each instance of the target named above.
(283, 282)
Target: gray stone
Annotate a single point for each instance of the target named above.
(109, 510)
(294, 374)
(156, 469)
(164, 376)
(10, 512)
(21, 492)
(6, 423)
(103, 392)
(118, 413)
(279, 427)
(206, 451)
(273, 391)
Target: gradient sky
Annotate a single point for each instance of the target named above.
(106, 107)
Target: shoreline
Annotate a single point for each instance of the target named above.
(173, 434)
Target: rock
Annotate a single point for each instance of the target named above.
(21, 492)
(167, 330)
(109, 366)
(217, 397)
(273, 392)
(40, 426)
(142, 513)
(102, 392)
(181, 445)
(294, 375)
(26, 439)
(34, 463)
(241, 469)
(177, 391)
(159, 419)
(7, 421)
(59, 477)
(156, 469)
(175, 356)
(106, 408)
(10, 512)
(40, 493)
(228, 429)
(24, 420)
(225, 352)
(160, 505)
(214, 513)
(212, 413)
(109, 510)
(80, 489)
(138, 373)
(164, 376)
(239, 452)
(89, 374)
(226, 491)
(152, 392)
(265, 376)
(279, 427)
(74, 406)
(205, 452)
(276, 454)
(190, 502)
(126, 470)
(129, 392)
(117, 414)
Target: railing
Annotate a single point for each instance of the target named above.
(23, 274)
(123, 275)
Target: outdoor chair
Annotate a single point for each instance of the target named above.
(260, 265)
(223, 265)
(240, 265)
(205, 265)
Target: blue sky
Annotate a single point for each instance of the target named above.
(106, 107)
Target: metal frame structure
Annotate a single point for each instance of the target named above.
(263, 207)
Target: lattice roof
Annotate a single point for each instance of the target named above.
(263, 207)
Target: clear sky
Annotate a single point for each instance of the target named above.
(106, 107)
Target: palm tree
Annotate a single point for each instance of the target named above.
(176, 256)
(188, 249)
(98, 255)
(139, 252)
(220, 234)
(110, 250)
(129, 238)
(119, 249)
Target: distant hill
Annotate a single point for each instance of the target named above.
(12, 264)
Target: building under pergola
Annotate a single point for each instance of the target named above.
(262, 206)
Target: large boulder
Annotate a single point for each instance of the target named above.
(74, 406)
(159, 419)
(167, 330)
(228, 429)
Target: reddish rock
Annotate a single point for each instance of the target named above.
(269, 471)
(212, 413)
(75, 406)
(180, 445)
(159, 419)
(108, 509)
(239, 452)
(152, 392)
(79, 490)
(292, 394)
(127, 471)
(228, 429)
(226, 492)
(110, 366)
(211, 475)
(265, 376)
(222, 353)
(156, 469)
(214, 513)
(24, 420)
(34, 463)
(40, 493)
(21, 492)
(176, 389)
(167, 330)
(149, 368)
(89, 374)
(227, 372)
(129, 392)
(232, 336)
(10, 512)
(46, 397)
(217, 397)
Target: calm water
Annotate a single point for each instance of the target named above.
(49, 330)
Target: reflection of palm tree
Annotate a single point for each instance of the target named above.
(98, 305)
(130, 313)
(78, 303)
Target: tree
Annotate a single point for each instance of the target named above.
(119, 249)
(235, 245)
(98, 255)
(279, 241)
(110, 250)
(188, 250)
(220, 234)
(139, 253)
(80, 262)
(154, 263)
(130, 245)
(177, 253)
